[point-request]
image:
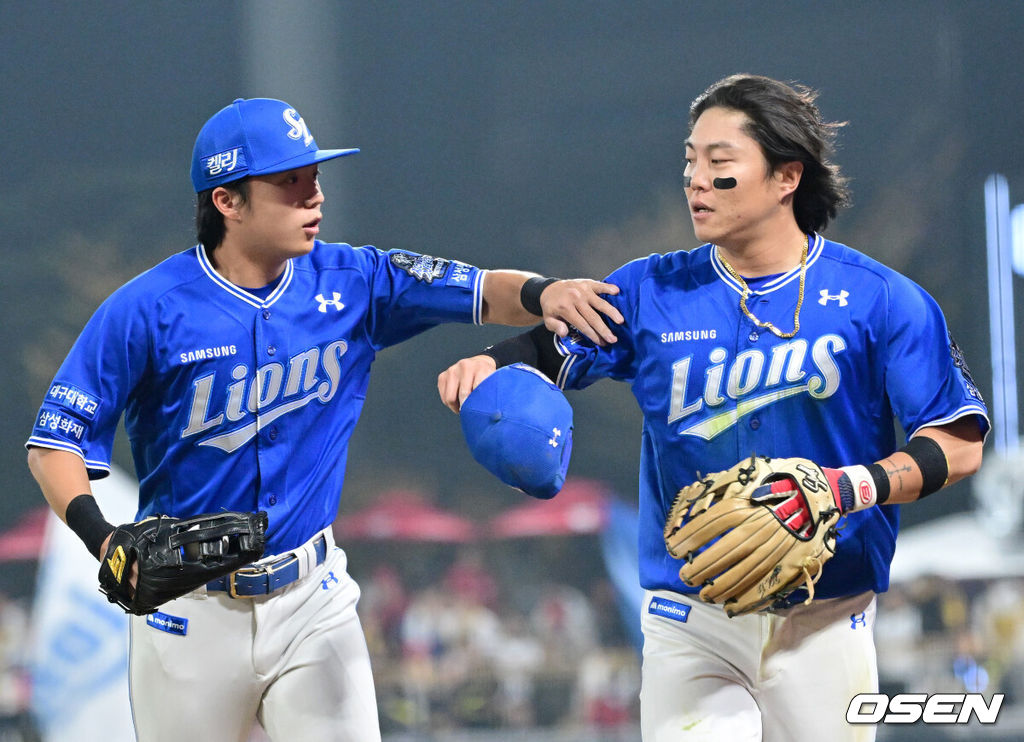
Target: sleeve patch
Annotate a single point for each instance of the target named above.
(460, 275)
(74, 399)
(59, 424)
(961, 363)
(421, 267)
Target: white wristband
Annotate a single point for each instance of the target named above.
(864, 493)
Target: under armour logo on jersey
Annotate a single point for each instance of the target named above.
(324, 303)
(298, 130)
(840, 297)
(861, 620)
(553, 441)
(330, 578)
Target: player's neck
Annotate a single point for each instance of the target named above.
(765, 254)
(244, 268)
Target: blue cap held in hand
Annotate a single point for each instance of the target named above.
(255, 136)
(518, 426)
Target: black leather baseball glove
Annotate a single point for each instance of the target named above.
(176, 556)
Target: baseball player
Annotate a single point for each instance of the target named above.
(241, 366)
(769, 339)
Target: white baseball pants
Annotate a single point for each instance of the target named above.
(782, 677)
(205, 668)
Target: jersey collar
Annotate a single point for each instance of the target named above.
(813, 253)
(237, 291)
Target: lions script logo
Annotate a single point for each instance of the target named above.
(275, 390)
(753, 380)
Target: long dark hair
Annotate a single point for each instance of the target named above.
(786, 123)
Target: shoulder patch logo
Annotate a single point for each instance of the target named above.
(961, 363)
(421, 267)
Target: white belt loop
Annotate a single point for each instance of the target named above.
(305, 554)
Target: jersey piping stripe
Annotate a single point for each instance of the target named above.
(240, 293)
(70, 447)
(962, 412)
(570, 359)
(478, 298)
(813, 253)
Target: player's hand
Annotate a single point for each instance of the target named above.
(579, 302)
(456, 382)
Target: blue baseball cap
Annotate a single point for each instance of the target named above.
(257, 136)
(518, 426)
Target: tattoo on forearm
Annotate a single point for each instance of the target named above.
(892, 470)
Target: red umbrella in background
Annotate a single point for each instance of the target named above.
(24, 541)
(581, 507)
(404, 515)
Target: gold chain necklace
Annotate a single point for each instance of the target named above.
(746, 292)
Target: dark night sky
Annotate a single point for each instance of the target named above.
(537, 135)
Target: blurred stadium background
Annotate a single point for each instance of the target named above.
(538, 135)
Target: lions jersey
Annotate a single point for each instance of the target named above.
(240, 399)
(872, 349)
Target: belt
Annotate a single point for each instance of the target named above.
(264, 579)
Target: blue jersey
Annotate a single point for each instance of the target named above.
(238, 401)
(873, 349)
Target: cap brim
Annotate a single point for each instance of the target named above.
(330, 154)
(306, 158)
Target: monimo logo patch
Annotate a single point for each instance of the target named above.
(669, 609)
(166, 622)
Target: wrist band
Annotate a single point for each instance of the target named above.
(83, 516)
(517, 349)
(856, 490)
(931, 460)
(529, 294)
(882, 486)
(868, 485)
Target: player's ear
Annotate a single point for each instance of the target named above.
(787, 177)
(227, 202)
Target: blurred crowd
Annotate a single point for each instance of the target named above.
(15, 687)
(960, 636)
(470, 650)
(466, 652)
(456, 653)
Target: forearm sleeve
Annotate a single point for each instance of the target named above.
(535, 348)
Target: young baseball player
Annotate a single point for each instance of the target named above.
(768, 339)
(241, 366)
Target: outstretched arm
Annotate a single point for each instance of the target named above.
(535, 348)
(510, 300)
